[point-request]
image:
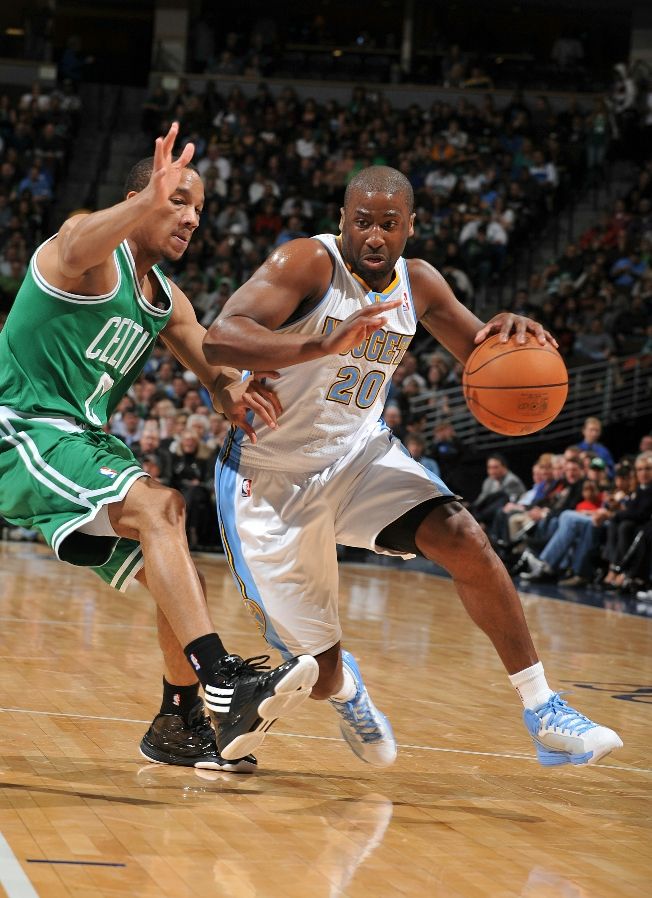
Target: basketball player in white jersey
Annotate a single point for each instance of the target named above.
(335, 316)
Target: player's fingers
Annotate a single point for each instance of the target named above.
(506, 328)
(539, 332)
(248, 429)
(272, 398)
(550, 339)
(158, 153)
(170, 137)
(261, 407)
(374, 323)
(375, 308)
(522, 326)
(186, 155)
(484, 332)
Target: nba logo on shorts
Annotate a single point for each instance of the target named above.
(245, 489)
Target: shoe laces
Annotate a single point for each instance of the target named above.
(200, 723)
(255, 664)
(360, 714)
(558, 714)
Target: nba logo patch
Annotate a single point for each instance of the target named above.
(108, 472)
(406, 303)
(245, 489)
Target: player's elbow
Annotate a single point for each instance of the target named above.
(219, 345)
(72, 261)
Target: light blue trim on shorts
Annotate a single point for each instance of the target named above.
(226, 496)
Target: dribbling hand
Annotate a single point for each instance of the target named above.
(358, 327)
(507, 323)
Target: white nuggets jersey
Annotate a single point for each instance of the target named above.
(330, 404)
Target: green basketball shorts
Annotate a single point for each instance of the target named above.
(55, 477)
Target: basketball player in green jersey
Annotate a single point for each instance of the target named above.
(80, 331)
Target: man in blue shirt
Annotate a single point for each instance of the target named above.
(591, 433)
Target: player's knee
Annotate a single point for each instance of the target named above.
(164, 508)
(456, 541)
(173, 507)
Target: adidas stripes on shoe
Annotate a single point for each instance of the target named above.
(245, 697)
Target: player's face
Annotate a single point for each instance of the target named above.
(375, 228)
(172, 228)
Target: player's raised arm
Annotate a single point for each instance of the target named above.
(86, 242)
(444, 316)
(455, 326)
(297, 274)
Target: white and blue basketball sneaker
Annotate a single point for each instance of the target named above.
(367, 731)
(562, 735)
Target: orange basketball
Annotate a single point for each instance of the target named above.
(515, 388)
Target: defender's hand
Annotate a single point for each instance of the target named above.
(255, 396)
(166, 174)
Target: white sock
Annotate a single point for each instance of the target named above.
(532, 686)
(348, 690)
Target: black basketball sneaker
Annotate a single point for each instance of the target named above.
(246, 697)
(189, 743)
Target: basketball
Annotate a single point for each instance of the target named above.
(515, 388)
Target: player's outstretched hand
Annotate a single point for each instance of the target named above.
(166, 173)
(355, 329)
(506, 323)
(257, 397)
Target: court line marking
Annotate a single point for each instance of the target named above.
(13, 878)
(34, 860)
(404, 745)
(76, 716)
(49, 622)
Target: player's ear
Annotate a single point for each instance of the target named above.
(341, 219)
(411, 225)
(131, 193)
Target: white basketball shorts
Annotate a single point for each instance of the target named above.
(280, 531)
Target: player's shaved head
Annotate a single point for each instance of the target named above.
(380, 179)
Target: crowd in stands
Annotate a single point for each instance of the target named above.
(486, 179)
(335, 48)
(585, 521)
(596, 298)
(36, 131)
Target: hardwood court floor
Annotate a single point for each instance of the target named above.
(466, 812)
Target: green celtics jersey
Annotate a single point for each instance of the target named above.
(67, 355)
